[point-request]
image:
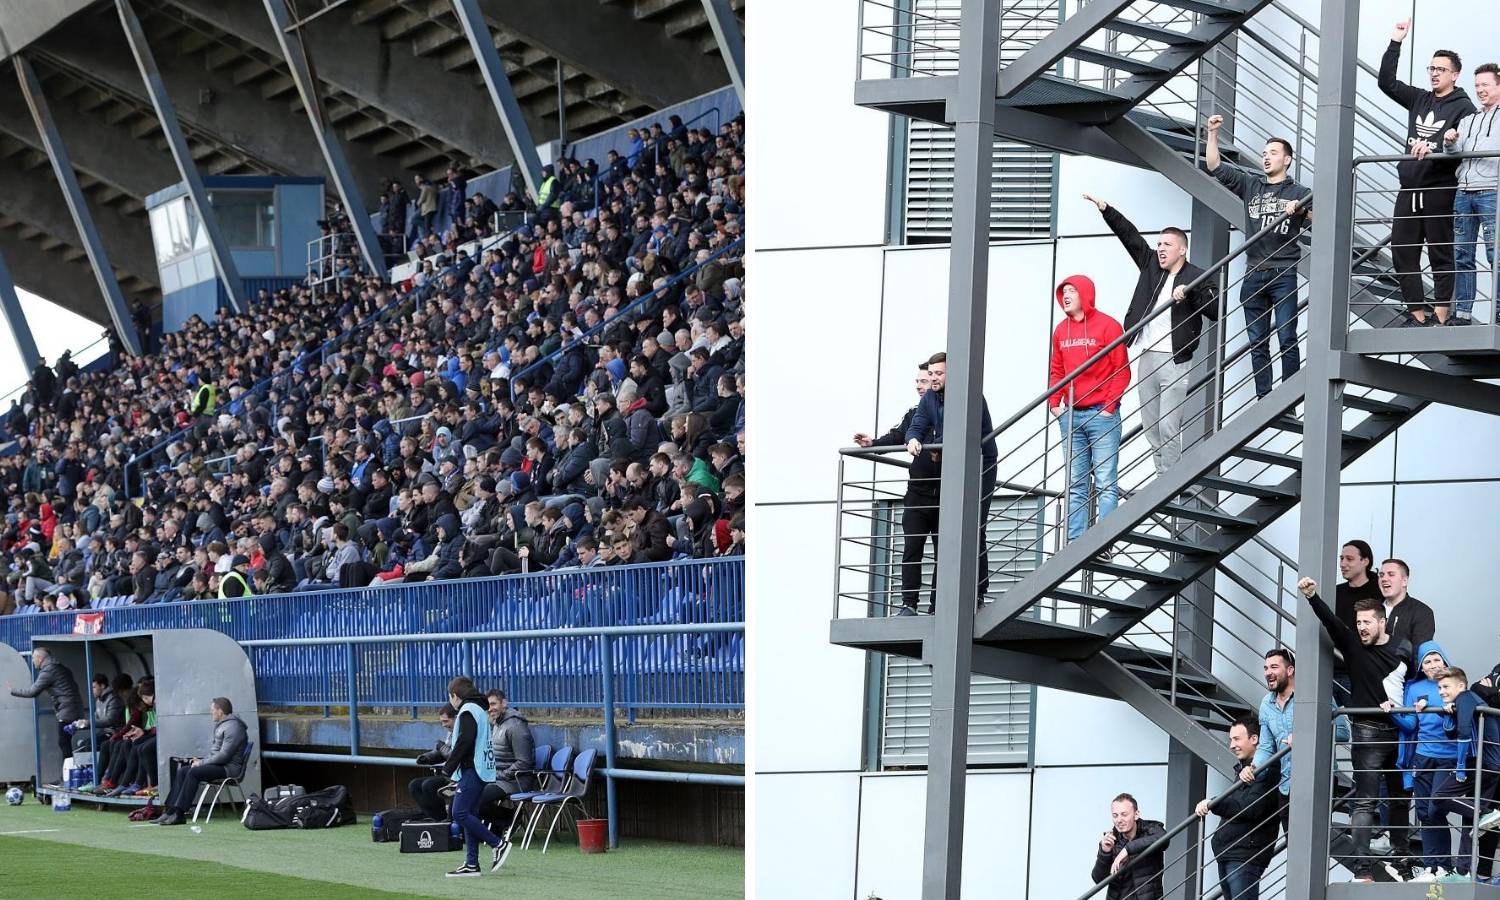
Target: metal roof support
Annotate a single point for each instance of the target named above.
(187, 168)
(15, 317)
(951, 650)
(731, 41)
(83, 220)
(298, 64)
(517, 132)
(1322, 447)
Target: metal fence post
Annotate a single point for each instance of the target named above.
(349, 658)
(607, 670)
(1478, 793)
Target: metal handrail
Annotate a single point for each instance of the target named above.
(1161, 842)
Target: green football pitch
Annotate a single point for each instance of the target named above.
(89, 853)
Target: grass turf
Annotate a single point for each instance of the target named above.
(227, 861)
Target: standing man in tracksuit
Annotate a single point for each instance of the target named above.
(1474, 207)
(1167, 342)
(1270, 284)
(919, 507)
(471, 763)
(1424, 205)
(1425, 749)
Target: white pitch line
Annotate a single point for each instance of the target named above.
(33, 831)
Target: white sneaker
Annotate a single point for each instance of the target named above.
(1381, 844)
(1426, 876)
(1394, 872)
(1490, 821)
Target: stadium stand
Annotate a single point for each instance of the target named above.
(569, 396)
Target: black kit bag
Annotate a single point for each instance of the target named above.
(429, 837)
(327, 808)
(385, 826)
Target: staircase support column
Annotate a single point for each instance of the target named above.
(1327, 336)
(972, 112)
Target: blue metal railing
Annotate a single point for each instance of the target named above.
(688, 591)
(624, 310)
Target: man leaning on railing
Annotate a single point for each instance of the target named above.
(1245, 840)
(919, 505)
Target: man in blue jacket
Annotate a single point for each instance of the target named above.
(927, 428)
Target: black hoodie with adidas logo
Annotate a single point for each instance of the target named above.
(1428, 116)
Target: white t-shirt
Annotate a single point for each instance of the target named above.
(1157, 335)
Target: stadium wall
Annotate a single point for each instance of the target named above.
(863, 314)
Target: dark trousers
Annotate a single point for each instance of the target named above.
(1424, 216)
(64, 740)
(424, 791)
(1437, 841)
(1265, 293)
(1373, 752)
(1454, 796)
(919, 523)
(1240, 880)
(185, 782)
(465, 813)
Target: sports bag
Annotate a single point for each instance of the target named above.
(327, 808)
(263, 815)
(285, 790)
(385, 826)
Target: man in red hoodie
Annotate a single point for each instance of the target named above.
(1086, 401)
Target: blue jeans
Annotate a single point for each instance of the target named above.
(465, 814)
(1240, 880)
(1473, 211)
(1265, 292)
(1092, 439)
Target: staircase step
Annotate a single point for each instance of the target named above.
(1207, 7)
(1209, 515)
(1370, 404)
(1082, 598)
(1259, 454)
(1249, 489)
(1165, 542)
(1287, 422)
(1116, 61)
(1130, 573)
(1151, 32)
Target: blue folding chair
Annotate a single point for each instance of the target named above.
(573, 792)
(557, 777)
(539, 769)
(223, 784)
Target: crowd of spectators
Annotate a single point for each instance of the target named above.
(556, 399)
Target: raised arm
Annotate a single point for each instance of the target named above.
(1211, 148)
(1392, 87)
(1336, 629)
(1130, 236)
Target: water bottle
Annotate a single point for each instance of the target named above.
(454, 832)
(376, 821)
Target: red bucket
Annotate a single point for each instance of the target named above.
(593, 835)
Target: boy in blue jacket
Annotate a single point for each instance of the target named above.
(1425, 749)
(1455, 789)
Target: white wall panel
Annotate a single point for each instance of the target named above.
(800, 678)
(890, 845)
(816, 333)
(1445, 532)
(1447, 442)
(789, 810)
(803, 54)
(1059, 714)
(1145, 196)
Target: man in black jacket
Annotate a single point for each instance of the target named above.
(1122, 854)
(57, 680)
(1424, 205)
(1249, 816)
(1377, 670)
(919, 508)
(1407, 619)
(1166, 343)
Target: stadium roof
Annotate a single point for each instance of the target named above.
(398, 79)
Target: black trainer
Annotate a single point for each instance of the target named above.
(464, 871)
(500, 855)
